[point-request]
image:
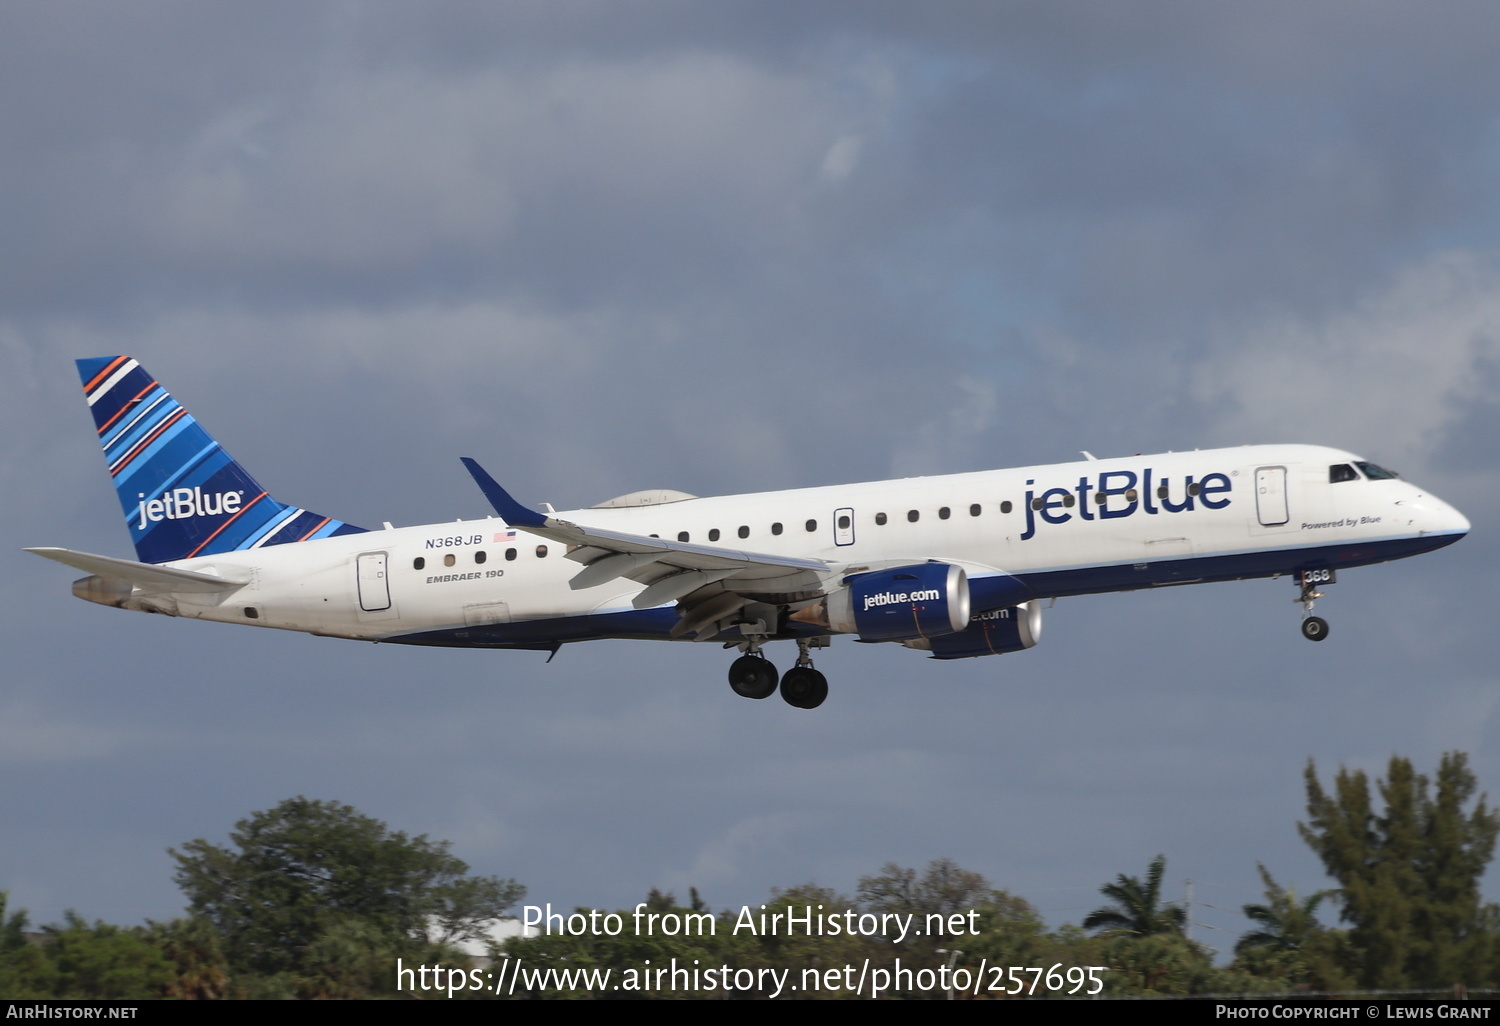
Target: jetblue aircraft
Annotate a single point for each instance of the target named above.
(955, 566)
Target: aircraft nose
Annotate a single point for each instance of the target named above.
(1442, 518)
(1454, 521)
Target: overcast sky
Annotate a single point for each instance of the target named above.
(730, 247)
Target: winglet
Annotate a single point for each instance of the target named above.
(511, 511)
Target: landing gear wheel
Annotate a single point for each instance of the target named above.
(802, 687)
(1315, 628)
(752, 677)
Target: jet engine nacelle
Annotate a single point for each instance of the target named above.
(903, 603)
(992, 632)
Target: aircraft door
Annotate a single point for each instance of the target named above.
(843, 526)
(1270, 496)
(374, 587)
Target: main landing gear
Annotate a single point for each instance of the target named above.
(753, 676)
(1314, 628)
(803, 687)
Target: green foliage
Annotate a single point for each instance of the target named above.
(1163, 962)
(1284, 923)
(12, 926)
(636, 949)
(799, 951)
(352, 958)
(942, 889)
(79, 961)
(104, 962)
(196, 951)
(314, 900)
(1137, 908)
(1408, 875)
(1288, 941)
(25, 971)
(302, 879)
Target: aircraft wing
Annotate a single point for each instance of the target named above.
(670, 570)
(144, 575)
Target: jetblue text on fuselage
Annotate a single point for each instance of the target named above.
(182, 503)
(1123, 493)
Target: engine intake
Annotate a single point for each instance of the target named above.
(993, 632)
(921, 601)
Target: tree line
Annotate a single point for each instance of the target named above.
(313, 899)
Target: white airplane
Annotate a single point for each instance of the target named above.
(955, 566)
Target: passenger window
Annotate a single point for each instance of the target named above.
(1341, 472)
(913, 516)
(1069, 501)
(541, 552)
(1194, 488)
(844, 522)
(776, 528)
(682, 536)
(1036, 504)
(944, 513)
(812, 525)
(510, 554)
(480, 556)
(713, 534)
(880, 519)
(975, 510)
(1100, 498)
(448, 560)
(1006, 507)
(1161, 492)
(418, 563)
(744, 532)
(1131, 495)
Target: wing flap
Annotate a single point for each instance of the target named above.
(653, 561)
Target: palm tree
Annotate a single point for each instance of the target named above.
(1285, 923)
(1137, 910)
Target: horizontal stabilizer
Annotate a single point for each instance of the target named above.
(144, 575)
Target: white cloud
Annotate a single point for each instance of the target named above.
(842, 158)
(1387, 378)
(374, 166)
(949, 440)
(739, 850)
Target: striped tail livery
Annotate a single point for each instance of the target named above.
(182, 494)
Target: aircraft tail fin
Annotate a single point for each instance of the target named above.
(182, 494)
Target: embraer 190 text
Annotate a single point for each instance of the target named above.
(955, 566)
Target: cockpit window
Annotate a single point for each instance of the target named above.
(1341, 472)
(1375, 472)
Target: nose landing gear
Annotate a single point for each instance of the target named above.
(1314, 628)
